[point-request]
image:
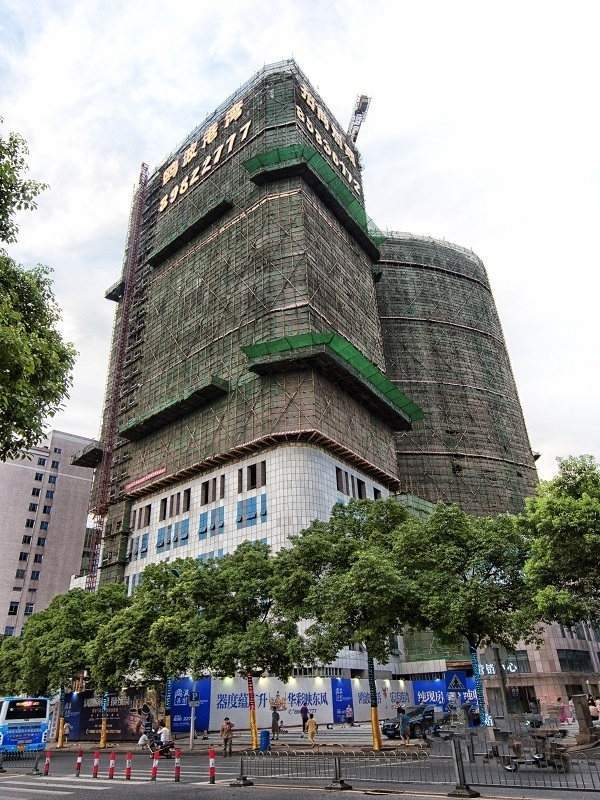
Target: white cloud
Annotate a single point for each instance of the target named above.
(483, 130)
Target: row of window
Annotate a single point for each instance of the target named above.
(211, 520)
(174, 534)
(30, 523)
(575, 660)
(54, 464)
(35, 574)
(38, 557)
(34, 507)
(39, 476)
(256, 476)
(351, 486)
(41, 542)
(143, 517)
(35, 492)
(248, 512)
(13, 608)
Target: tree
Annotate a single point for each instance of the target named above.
(35, 362)
(562, 522)
(340, 574)
(16, 193)
(11, 651)
(54, 641)
(467, 574)
(241, 629)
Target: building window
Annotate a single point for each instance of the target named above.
(187, 498)
(13, 608)
(29, 523)
(163, 509)
(51, 478)
(41, 462)
(376, 493)
(203, 525)
(26, 539)
(204, 493)
(339, 479)
(20, 573)
(55, 465)
(35, 492)
(58, 450)
(172, 505)
(28, 608)
(575, 660)
(49, 493)
(23, 556)
(240, 480)
(9, 630)
(262, 473)
(147, 512)
(361, 489)
(132, 521)
(41, 542)
(44, 525)
(47, 509)
(35, 574)
(222, 487)
(213, 490)
(38, 558)
(39, 476)
(252, 476)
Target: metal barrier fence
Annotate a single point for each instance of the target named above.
(456, 762)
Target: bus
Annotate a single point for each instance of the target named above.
(24, 724)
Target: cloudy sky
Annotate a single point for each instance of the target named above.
(484, 129)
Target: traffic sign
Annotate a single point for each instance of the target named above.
(194, 699)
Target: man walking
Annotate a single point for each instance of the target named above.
(311, 729)
(304, 716)
(275, 724)
(227, 736)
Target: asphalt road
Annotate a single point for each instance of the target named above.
(19, 784)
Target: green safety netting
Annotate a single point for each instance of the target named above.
(280, 156)
(345, 350)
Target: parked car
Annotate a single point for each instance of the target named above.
(421, 719)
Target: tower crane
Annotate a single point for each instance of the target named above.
(358, 117)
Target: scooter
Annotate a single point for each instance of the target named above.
(156, 746)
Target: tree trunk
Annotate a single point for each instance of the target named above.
(484, 717)
(252, 713)
(375, 731)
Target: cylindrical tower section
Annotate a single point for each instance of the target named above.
(444, 346)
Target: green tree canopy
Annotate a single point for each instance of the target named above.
(35, 362)
(52, 650)
(562, 522)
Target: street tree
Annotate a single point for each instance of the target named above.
(54, 641)
(466, 574)
(562, 522)
(11, 651)
(340, 575)
(241, 629)
(35, 361)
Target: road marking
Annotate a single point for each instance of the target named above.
(37, 791)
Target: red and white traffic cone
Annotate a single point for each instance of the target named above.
(96, 764)
(155, 758)
(128, 760)
(212, 772)
(111, 765)
(78, 763)
(48, 756)
(177, 765)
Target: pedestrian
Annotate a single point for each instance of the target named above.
(311, 729)
(597, 704)
(404, 723)
(275, 724)
(594, 713)
(227, 736)
(66, 732)
(304, 716)
(144, 741)
(563, 711)
(349, 715)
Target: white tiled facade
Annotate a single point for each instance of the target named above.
(300, 486)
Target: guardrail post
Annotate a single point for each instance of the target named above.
(462, 788)
(128, 762)
(242, 780)
(1, 760)
(78, 763)
(47, 763)
(177, 766)
(338, 782)
(471, 747)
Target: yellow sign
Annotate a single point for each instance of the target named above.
(199, 148)
(333, 143)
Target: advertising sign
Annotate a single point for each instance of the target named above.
(188, 694)
(341, 692)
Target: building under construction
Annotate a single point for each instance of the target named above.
(274, 353)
